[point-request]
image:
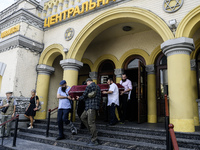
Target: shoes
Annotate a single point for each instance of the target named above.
(31, 127)
(93, 143)
(60, 138)
(73, 130)
(121, 122)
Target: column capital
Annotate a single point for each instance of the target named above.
(150, 69)
(181, 45)
(93, 75)
(71, 64)
(193, 64)
(119, 72)
(45, 69)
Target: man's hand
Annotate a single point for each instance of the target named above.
(122, 92)
(6, 105)
(77, 97)
(73, 99)
(13, 115)
(104, 92)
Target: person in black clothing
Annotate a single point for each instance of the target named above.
(91, 106)
(32, 107)
(80, 109)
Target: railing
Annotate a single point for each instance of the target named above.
(15, 132)
(48, 121)
(170, 135)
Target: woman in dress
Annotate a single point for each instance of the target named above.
(32, 107)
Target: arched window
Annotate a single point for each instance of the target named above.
(106, 70)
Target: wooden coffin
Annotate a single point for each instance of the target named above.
(78, 90)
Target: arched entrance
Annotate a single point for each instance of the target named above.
(83, 74)
(134, 68)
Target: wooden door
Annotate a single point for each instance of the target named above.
(142, 93)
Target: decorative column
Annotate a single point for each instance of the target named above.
(71, 3)
(60, 7)
(179, 81)
(194, 91)
(54, 9)
(66, 4)
(118, 73)
(71, 67)
(151, 95)
(93, 76)
(49, 12)
(44, 72)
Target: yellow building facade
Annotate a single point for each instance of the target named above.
(105, 38)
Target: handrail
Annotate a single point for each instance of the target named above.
(16, 127)
(48, 121)
(173, 137)
(166, 106)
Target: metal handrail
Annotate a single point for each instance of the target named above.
(173, 137)
(48, 121)
(15, 132)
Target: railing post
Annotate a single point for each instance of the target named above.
(15, 133)
(168, 138)
(3, 129)
(173, 137)
(48, 123)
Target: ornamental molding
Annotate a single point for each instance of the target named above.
(45, 69)
(119, 72)
(169, 8)
(181, 45)
(71, 64)
(93, 75)
(2, 68)
(22, 42)
(193, 64)
(150, 69)
(69, 34)
(19, 16)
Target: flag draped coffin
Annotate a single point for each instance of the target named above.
(78, 90)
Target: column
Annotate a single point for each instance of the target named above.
(179, 81)
(194, 91)
(118, 73)
(54, 9)
(44, 72)
(66, 4)
(198, 102)
(151, 94)
(93, 76)
(71, 3)
(71, 67)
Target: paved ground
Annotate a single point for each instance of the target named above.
(29, 145)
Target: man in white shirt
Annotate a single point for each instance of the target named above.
(113, 100)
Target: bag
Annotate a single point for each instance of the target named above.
(4, 109)
(39, 105)
(93, 93)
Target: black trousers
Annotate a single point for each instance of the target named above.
(113, 118)
(122, 109)
(80, 110)
(62, 117)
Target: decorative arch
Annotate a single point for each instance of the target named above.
(103, 58)
(154, 55)
(131, 52)
(87, 61)
(113, 17)
(189, 25)
(195, 52)
(50, 53)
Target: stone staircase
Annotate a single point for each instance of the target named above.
(119, 137)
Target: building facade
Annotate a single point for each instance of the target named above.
(156, 43)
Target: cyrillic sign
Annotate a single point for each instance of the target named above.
(72, 12)
(10, 31)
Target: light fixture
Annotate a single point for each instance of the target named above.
(127, 28)
(172, 23)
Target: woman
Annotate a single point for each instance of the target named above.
(32, 107)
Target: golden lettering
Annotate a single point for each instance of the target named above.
(70, 11)
(76, 11)
(92, 5)
(84, 7)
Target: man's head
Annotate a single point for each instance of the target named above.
(89, 81)
(110, 81)
(8, 94)
(124, 77)
(63, 85)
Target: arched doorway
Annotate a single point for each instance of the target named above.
(161, 86)
(134, 68)
(106, 70)
(198, 72)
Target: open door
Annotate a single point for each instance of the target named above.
(142, 93)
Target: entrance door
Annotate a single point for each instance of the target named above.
(142, 92)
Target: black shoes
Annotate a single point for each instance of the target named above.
(60, 138)
(93, 143)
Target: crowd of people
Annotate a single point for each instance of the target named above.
(88, 105)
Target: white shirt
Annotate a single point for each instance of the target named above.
(64, 103)
(113, 97)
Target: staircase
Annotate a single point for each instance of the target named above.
(119, 137)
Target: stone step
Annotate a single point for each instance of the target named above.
(66, 143)
(23, 144)
(111, 142)
(182, 142)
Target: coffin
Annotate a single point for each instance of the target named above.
(79, 89)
